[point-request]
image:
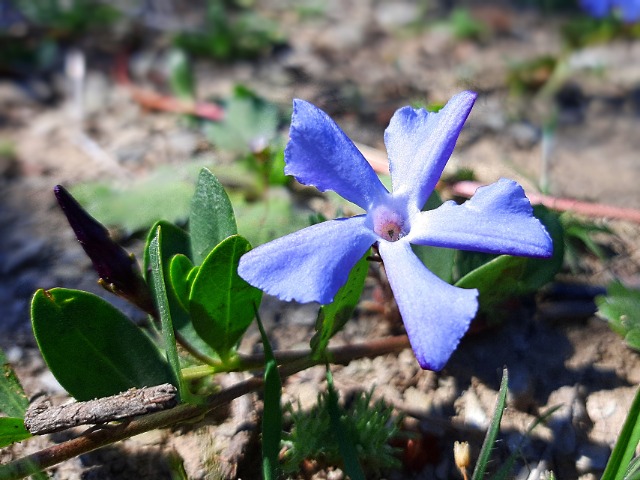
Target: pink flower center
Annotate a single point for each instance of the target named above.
(389, 224)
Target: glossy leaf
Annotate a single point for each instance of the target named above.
(182, 273)
(93, 349)
(211, 219)
(332, 317)
(12, 430)
(440, 261)
(13, 401)
(174, 241)
(272, 413)
(496, 280)
(494, 429)
(221, 303)
(170, 347)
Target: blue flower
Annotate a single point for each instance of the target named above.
(312, 264)
(629, 9)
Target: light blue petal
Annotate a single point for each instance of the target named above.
(419, 144)
(309, 265)
(320, 154)
(629, 9)
(596, 8)
(497, 219)
(436, 315)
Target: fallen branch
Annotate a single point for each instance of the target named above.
(96, 438)
(42, 418)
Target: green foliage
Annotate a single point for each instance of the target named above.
(164, 312)
(181, 74)
(13, 401)
(68, 18)
(530, 76)
(250, 123)
(273, 216)
(272, 414)
(221, 304)
(12, 430)
(371, 426)
(464, 26)
(93, 349)
(332, 317)
(231, 32)
(344, 437)
(621, 308)
(579, 238)
(163, 194)
(583, 31)
(494, 429)
(211, 219)
(620, 465)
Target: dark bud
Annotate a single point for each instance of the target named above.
(118, 270)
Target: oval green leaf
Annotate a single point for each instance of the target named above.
(12, 430)
(222, 304)
(211, 219)
(91, 347)
(13, 401)
(182, 273)
(174, 241)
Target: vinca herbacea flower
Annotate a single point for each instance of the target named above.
(312, 264)
(629, 9)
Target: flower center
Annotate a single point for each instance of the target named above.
(389, 224)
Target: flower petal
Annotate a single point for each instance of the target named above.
(309, 265)
(497, 219)
(436, 315)
(419, 144)
(596, 8)
(320, 154)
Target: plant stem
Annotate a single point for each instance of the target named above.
(95, 438)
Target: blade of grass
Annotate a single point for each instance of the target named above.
(626, 444)
(494, 428)
(272, 414)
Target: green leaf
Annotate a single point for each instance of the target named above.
(272, 217)
(182, 273)
(496, 280)
(345, 444)
(93, 349)
(540, 271)
(626, 445)
(494, 429)
(181, 75)
(221, 303)
(333, 316)
(12, 430)
(439, 260)
(211, 219)
(163, 194)
(13, 401)
(170, 347)
(174, 241)
(621, 308)
(272, 413)
(249, 123)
